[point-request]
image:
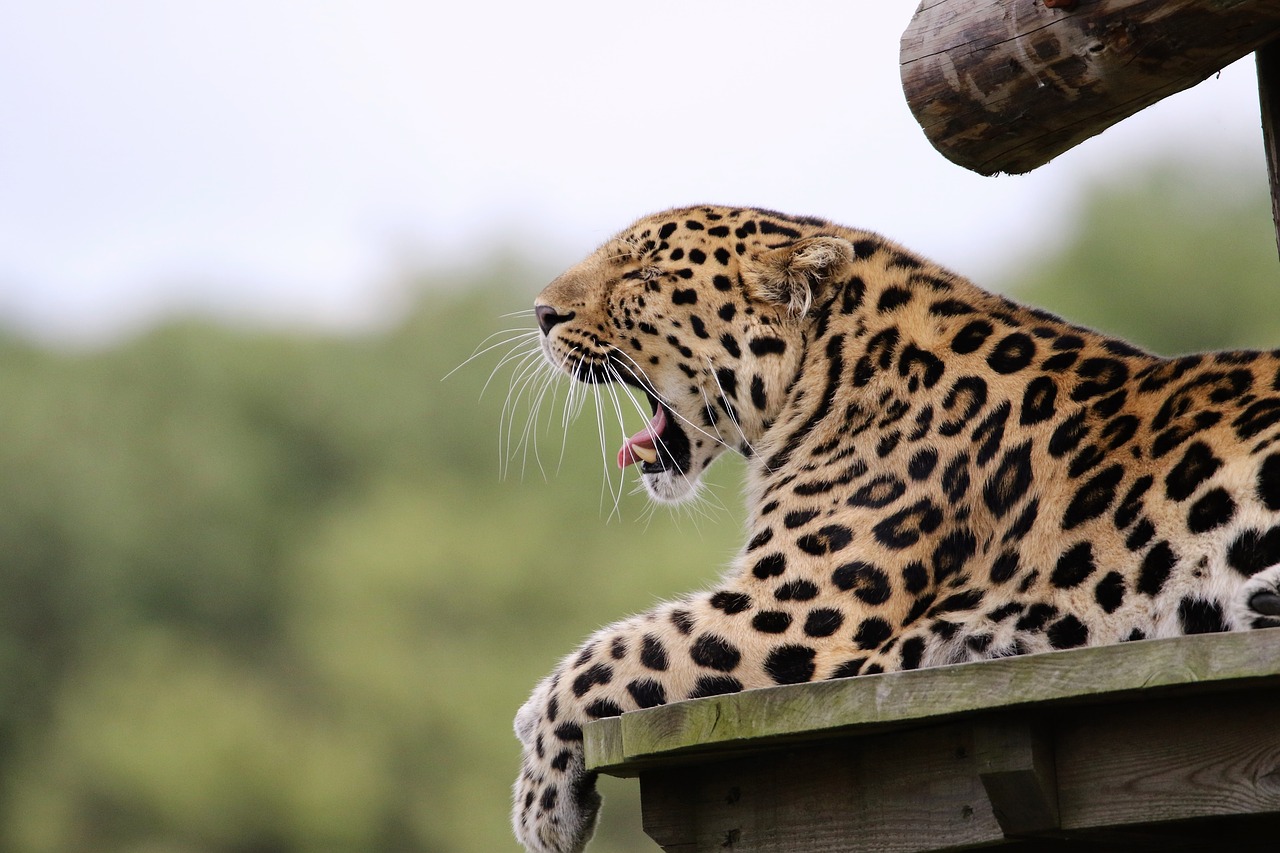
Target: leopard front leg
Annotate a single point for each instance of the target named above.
(681, 650)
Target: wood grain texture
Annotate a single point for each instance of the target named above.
(1003, 86)
(760, 719)
(905, 792)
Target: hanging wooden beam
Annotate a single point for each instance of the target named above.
(1003, 86)
(1268, 59)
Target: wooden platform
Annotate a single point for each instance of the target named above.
(1156, 745)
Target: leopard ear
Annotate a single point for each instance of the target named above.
(793, 275)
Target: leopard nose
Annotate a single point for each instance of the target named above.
(548, 317)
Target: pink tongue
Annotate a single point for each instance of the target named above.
(646, 437)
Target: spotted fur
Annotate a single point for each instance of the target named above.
(935, 475)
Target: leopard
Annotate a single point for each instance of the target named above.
(934, 474)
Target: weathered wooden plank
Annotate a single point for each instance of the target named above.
(1006, 87)
(907, 791)
(1199, 773)
(1178, 759)
(757, 719)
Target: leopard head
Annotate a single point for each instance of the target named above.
(706, 312)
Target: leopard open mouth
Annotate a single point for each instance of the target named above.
(662, 444)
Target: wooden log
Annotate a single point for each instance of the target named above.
(1003, 86)
(1268, 61)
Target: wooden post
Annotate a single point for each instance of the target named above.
(1268, 60)
(1002, 86)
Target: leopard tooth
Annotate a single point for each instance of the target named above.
(644, 454)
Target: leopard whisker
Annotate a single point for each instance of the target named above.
(514, 335)
(525, 375)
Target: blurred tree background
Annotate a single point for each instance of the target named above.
(267, 593)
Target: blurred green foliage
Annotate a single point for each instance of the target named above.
(267, 593)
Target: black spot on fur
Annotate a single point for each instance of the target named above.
(922, 463)
(715, 652)
(1259, 416)
(1068, 435)
(1141, 534)
(569, 732)
(1036, 617)
(798, 518)
(849, 668)
(929, 365)
(1101, 376)
(1004, 567)
(773, 564)
(714, 685)
(602, 708)
(1269, 482)
(1156, 567)
(827, 540)
(893, 297)
(1024, 522)
(966, 397)
(952, 552)
(1093, 498)
(955, 479)
(879, 492)
(1131, 505)
(1197, 465)
(970, 599)
(1073, 567)
(771, 621)
(598, 674)
(989, 434)
(866, 581)
(682, 621)
(912, 652)
(767, 346)
(950, 308)
(823, 622)
(1067, 633)
(653, 654)
(1010, 481)
(1252, 551)
(1201, 617)
(1012, 353)
(972, 336)
(905, 527)
(1039, 401)
(760, 539)
(1109, 593)
(731, 602)
(872, 632)
(790, 664)
(798, 590)
(915, 577)
(1212, 510)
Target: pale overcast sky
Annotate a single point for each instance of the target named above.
(283, 159)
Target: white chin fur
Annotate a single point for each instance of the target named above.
(670, 487)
